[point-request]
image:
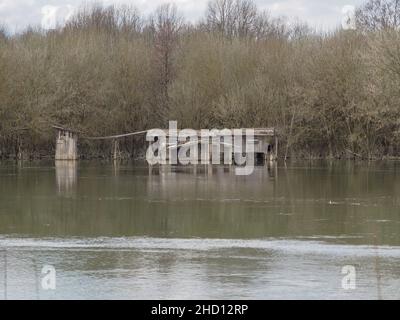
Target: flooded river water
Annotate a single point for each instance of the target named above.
(126, 232)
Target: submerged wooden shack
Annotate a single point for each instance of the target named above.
(265, 143)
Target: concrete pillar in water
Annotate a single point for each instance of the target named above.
(66, 145)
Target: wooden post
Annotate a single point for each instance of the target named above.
(210, 152)
(267, 151)
(115, 146)
(19, 154)
(263, 148)
(276, 147)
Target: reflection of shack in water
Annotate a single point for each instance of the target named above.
(66, 176)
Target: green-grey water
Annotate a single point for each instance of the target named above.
(123, 231)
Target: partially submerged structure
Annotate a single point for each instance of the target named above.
(265, 143)
(212, 145)
(66, 144)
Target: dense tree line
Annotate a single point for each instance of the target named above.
(110, 71)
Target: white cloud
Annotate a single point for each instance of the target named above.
(323, 15)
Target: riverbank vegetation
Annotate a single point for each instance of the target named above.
(110, 70)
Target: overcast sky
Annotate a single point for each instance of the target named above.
(17, 14)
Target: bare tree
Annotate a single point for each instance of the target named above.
(246, 17)
(129, 19)
(3, 33)
(94, 17)
(378, 15)
(166, 24)
(300, 30)
(232, 17)
(266, 27)
(110, 71)
(221, 16)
